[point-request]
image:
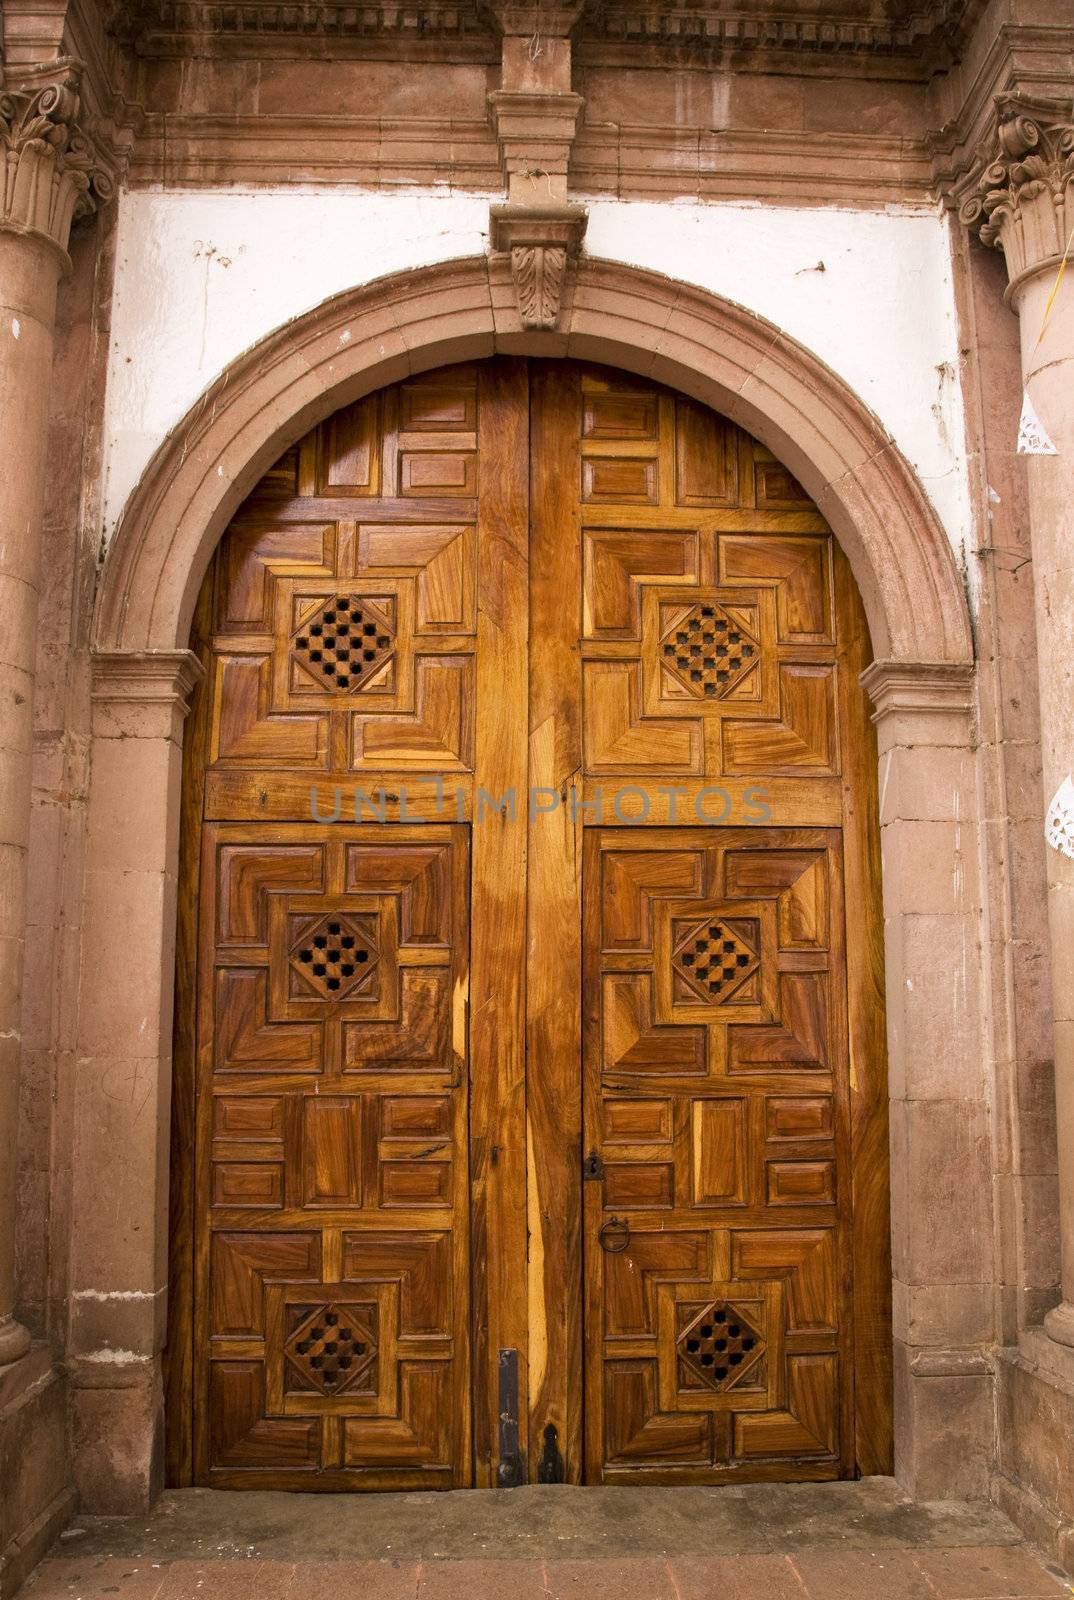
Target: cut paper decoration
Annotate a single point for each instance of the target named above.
(1033, 437)
(1059, 823)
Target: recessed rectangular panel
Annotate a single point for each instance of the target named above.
(801, 1183)
(799, 1117)
(619, 480)
(619, 415)
(706, 456)
(638, 1184)
(719, 1131)
(247, 1183)
(437, 473)
(415, 1117)
(637, 1121)
(247, 1117)
(415, 1183)
(777, 489)
(350, 449)
(331, 1160)
(438, 407)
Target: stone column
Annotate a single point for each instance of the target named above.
(1024, 205)
(46, 177)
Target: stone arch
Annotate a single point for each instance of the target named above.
(362, 339)
(921, 684)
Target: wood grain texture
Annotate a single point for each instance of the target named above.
(498, 1016)
(178, 1360)
(508, 575)
(716, 1094)
(332, 1275)
(874, 1400)
(554, 1011)
(328, 1302)
(734, 1086)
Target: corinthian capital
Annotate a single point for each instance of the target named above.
(51, 172)
(1023, 201)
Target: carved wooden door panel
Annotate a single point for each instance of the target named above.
(357, 1140)
(733, 1197)
(333, 1199)
(715, 1102)
(529, 1114)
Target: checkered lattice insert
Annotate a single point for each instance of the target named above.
(719, 1343)
(709, 651)
(345, 642)
(714, 958)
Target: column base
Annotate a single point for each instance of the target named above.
(1059, 1324)
(117, 1434)
(944, 1422)
(1033, 1481)
(14, 1341)
(37, 1494)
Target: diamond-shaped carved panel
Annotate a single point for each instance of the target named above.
(709, 651)
(718, 1343)
(334, 955)
(716, 957)
(331, 1348)
(345, 641)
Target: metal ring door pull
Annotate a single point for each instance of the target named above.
(614, 1236)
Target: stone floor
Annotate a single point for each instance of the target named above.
(844, 1541)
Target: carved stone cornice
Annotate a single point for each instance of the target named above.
(52, 172)
(137, 677)
(541, 241)
(702, 30)
(1023, 198)
(535, 20)
(171, 28)
(915, 38)
(911, 690)
(142, 694)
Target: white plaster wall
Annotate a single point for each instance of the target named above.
(202, 275)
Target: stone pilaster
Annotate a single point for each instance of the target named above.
(49, 175)
(1024, 205)
(122, 1091)
(941, 1275)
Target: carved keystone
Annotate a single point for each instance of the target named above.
(541, 241)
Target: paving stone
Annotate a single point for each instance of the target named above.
(223, 1579)
(87, 1578)
(984, 1572)
(839, 1541)
(609, 1580)
(472, 1580)
(746, 1577)
(355, 1580)
(853, 1574)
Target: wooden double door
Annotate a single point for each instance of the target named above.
(529, 1076)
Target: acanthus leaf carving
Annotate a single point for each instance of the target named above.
(1022, 201)
(52, 172)
(541, 242)
(538, 271)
